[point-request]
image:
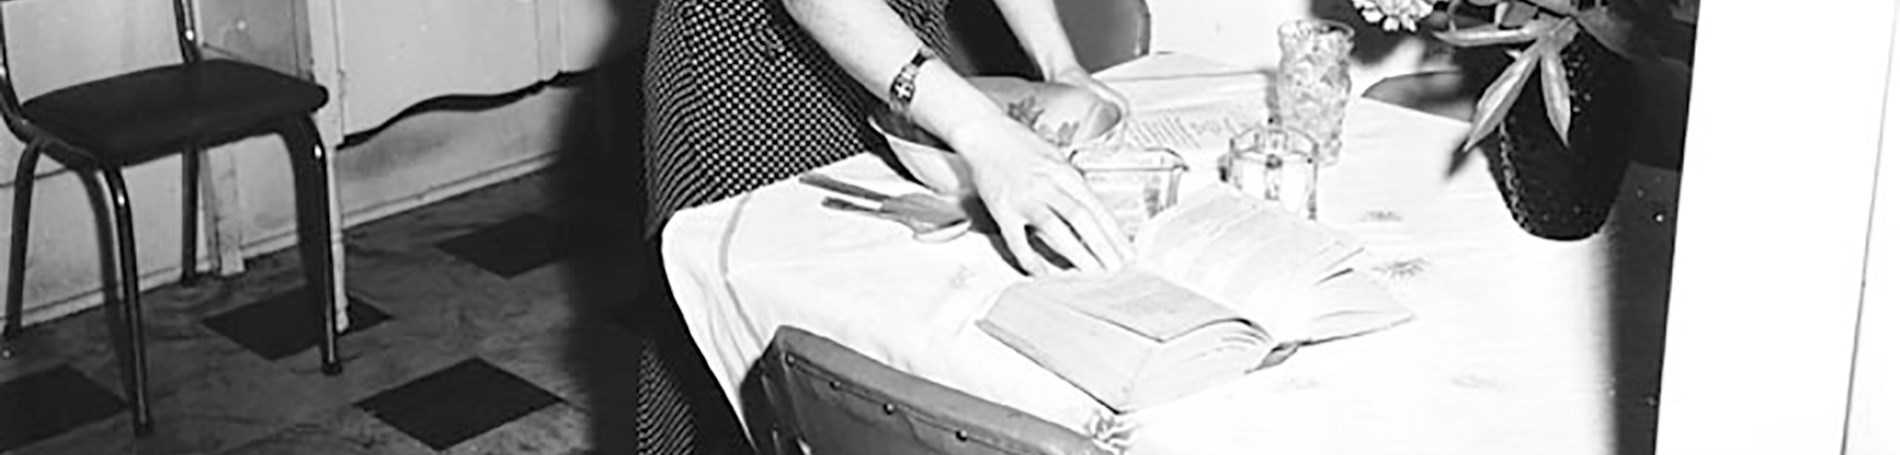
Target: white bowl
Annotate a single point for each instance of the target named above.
(932, 165)
(931, 162)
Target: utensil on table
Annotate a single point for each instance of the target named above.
(931, 220)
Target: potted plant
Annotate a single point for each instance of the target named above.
(1565, 111)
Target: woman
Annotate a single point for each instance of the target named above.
(741, 93)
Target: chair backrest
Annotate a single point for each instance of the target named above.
(839, 402)
(184, 16)
(1103, 33)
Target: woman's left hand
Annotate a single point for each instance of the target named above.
(1076, 76)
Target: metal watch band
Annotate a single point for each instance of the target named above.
(904, 85)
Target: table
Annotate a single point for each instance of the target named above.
(1521, 345)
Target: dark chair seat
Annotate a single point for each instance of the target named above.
(136, 117)
(98, 128)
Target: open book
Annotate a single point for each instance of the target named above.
(1223, 285)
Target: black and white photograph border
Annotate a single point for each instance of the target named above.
(1781, 324)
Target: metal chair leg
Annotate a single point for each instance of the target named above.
(127, 266)
(320, 245)
(23, 180)
(188, 275)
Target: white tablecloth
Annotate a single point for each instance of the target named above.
(1511, 352)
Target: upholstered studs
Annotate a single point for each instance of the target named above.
(963, 436)
(890, 409)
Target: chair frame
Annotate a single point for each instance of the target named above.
(315, 218)
(869, 399)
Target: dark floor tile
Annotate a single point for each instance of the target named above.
(457, 403)
(553, 430)
(47, 404)
(518, 245)
(366, 432)
(285, 324)
(305, 438)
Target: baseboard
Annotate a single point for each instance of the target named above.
(273, 242)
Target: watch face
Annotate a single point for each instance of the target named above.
(904, 85)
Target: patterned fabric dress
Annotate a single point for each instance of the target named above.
(738, 96)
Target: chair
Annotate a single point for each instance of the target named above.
(96, 128)
(1103, 33)
(837, 401)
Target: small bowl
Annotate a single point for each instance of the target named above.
(934, 165)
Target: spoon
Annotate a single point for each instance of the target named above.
(930, 218)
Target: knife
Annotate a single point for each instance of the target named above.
(826, 182)
(925, 230)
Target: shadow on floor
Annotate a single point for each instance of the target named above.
(597, 188)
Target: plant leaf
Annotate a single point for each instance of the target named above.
(1498, 98)
(1563, 7)
(1556, 90)
(1489, 34)
(1617, 33)
(1556, 84)
(1516, 14)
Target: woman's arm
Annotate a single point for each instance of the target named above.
(1038, 28)
(1019, 177)
(871, 43)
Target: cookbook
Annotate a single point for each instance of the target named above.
(1222, 285)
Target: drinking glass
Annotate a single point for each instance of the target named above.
(1312, 85)
(1133, 182)
(1277, 164)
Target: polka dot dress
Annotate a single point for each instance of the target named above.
(738, 96)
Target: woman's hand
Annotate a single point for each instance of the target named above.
(1076, 76)
(1029, 190)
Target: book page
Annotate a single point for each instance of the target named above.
(1129, 339)
(1352, 305)
(1239, 250)
(1098, 357)
(1136, 300)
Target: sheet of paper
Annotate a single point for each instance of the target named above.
(1195, 127)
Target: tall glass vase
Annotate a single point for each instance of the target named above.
(1313, 83)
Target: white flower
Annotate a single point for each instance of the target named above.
(1394, 14)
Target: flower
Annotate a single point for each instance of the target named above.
(1394, 14)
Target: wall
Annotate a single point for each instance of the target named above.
(47, 53)
(1767, 283)
(1873, 425)
(378, 58)
(1244, 33)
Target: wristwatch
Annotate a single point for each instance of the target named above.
(904, 85)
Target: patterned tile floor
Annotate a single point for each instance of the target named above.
(483, 324)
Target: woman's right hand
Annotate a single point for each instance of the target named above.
(1030, 190)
